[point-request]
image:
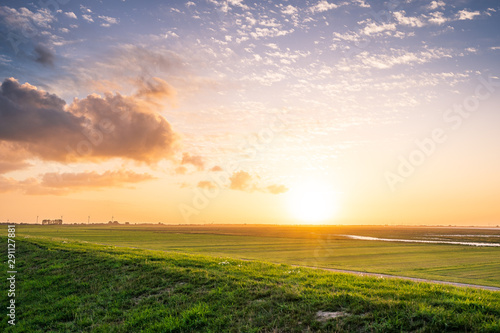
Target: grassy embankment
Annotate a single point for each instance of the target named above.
(311, 246)
(66, 286)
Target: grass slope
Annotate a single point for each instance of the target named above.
(79, 287)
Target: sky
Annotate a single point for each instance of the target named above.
(283, 112)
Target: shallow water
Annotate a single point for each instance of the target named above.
(421, 241)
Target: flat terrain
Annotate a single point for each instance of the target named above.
(325, 246)
(68, 286)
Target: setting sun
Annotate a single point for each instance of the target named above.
(313, 202)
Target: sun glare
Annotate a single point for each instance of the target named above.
(313, 202)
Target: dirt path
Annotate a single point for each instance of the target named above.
(456, 284)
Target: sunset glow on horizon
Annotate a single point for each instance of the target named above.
(290, 112)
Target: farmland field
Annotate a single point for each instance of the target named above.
(319, 246)
(69, 286)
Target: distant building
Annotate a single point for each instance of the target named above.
(50, 222)
(113, 222)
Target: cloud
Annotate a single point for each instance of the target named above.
(7, 184)
(238, 3)
(216, 168)
(108, 21)
(400, 57)
(243, 181)
(54, 183)
(207, 185)
(409, 21)
(197, 161)
(180, 170)
(25, 20)
(289, 10)
(44, 56)
(467, 15)
(155, 89)
(277, 189)
(438, 18)
(322, 6)
(92, 179)
(374, 28)
(88, 18)
(12, 157)
(436, 4)
(70, 15)
(269, 32)
(92, 128)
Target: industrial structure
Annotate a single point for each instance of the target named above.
(48, 222)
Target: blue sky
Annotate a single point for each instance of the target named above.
(354, 85)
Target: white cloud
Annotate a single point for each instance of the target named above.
(170, 34)
(85, 9)
(322, 6)
(436, 4)
(400, 57)
(438, 18)
(348, 36)
(374, 28)
(108, 20)
(87, 18)
(289, 10)
(70, 15)
(190, 3)
(362, 3)
(495, 48)
(464, 14)
(406, 20)
(238, 3)
(24, 18)
(266, 32)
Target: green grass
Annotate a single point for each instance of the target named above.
(67, 286)
(311, 246)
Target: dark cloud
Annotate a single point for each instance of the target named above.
(44, 56)
(197, 161)
(92, 128)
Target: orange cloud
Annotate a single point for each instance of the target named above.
(180, 170)
(277, 189)
(195, 160)
(242, 181)
(12, 157)
(206, 184)
(63, 183)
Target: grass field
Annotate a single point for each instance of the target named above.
(68, 286)
(312, 246)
